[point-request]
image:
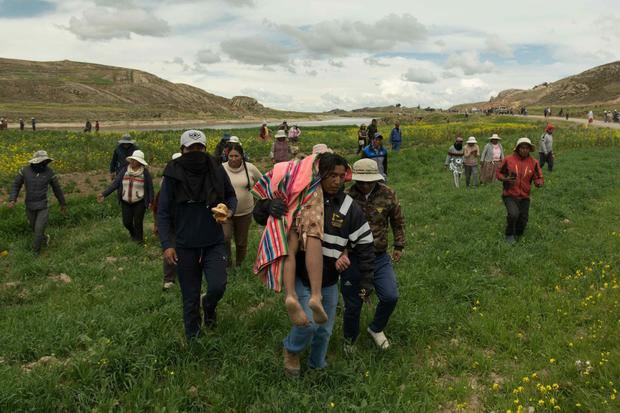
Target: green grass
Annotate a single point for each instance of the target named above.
(473, 312)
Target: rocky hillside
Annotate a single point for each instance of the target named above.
(597, 86)
(69, 90)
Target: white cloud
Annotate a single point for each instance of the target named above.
(371, 61)
(207, 56)
(335, 63)
(419, 75)
(469, 62)
(341, 37)
(101, 23)
(255, 51)
(496, 45)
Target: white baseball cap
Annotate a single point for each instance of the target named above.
(192, 136)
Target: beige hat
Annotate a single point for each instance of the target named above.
(138, 155)
(321, 148)
(176, 155)
(280, 134)
(471, 139)
(40, 156)
(234, 139)
(495, 136)
(366, 170)
(524, 140)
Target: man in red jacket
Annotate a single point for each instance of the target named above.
(517, 172)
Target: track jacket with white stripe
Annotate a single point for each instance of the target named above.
(344, 225)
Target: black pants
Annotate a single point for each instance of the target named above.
(548, 158)
(517, 215)
(38, 222)
(133, 219)
(193, 262)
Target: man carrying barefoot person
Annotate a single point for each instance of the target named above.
(343, 225)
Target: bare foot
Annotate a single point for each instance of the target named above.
(295, 312)
(318, 313)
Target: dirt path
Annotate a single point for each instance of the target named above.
(596, 123)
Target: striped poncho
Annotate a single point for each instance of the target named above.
(294, 182)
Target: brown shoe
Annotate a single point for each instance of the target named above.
(291, 364)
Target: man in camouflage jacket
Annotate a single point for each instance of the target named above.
(382, 209)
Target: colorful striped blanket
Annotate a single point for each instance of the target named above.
(294, 182)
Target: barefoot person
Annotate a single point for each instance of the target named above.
(195, 184)
(37, 177)
(344, 225)
(293, 194)
(517, 172)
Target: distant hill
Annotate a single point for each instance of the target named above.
(597, 86)
(69, 90)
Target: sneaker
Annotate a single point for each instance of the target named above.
(380, 339)
(510, 239)
(168, 285)
(292, 366)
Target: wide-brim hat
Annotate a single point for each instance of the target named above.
(522, 141)
(280, 134)
(40, 156)
(320, 148)
(471, 139)
(126, 139)
(138, 155)
(366, 170)
(495, 136)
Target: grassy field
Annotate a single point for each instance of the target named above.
(480, 326)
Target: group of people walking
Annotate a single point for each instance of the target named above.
(317, 233)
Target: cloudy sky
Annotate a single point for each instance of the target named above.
(317, 55)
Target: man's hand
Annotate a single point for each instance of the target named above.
(11, 204)
(100, 198)
(397, 255)
(343, 262)
(277, 208)
(170, 255)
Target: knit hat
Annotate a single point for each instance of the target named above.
(40, 156)
(549, 127)
(138, 155)
(190, 137)
(524, 140)
(366, 170)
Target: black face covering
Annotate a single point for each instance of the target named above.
(458, 145)
(39, 167)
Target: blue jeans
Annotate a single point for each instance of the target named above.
(315, 335)
(384, 281)
(193, 262)
(396, 145)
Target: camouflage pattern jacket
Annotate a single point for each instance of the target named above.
(382, 207)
